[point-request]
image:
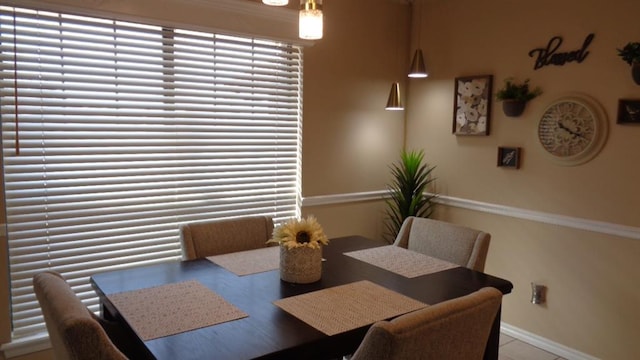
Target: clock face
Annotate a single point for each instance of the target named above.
(572, 130)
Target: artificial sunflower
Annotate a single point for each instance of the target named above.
(297, 233)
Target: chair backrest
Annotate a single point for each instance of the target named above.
(452, 330)
(74, 332)
(202, 239)
(454, 243)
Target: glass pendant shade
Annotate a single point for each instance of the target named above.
(394, 102)
(275, 2)
(417, 69)
(310, 26)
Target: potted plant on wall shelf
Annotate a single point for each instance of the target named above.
(407, 191)
(630, 53)
(514, 96)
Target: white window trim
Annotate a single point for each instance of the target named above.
(26, 346)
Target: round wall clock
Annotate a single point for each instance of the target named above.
(572, 130)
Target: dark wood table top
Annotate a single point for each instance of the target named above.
(269, 332)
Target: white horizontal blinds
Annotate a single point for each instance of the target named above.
(127, 130)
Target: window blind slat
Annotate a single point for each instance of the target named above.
(74, 60)
(40, 244)
(126, 131)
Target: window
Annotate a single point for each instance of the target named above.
(114, 133)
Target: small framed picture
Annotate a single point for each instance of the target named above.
(509, 157)
(472, 105)
(628, 111)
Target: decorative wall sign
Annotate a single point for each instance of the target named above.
(550, 56)
(628, 111)
(509, 157)
(472, 105)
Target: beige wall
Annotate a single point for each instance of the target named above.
(361, 218)
(459, 42)
(592, 278)
(348, 137)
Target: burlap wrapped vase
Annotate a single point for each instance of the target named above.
(300, 265)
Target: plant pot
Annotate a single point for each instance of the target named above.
(301, 265)
(513, 108)
(635, 72)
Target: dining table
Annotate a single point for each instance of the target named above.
(256, 315)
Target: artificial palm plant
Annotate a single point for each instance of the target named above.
(407, 191)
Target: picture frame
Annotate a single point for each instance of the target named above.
(472, 105)
(509, 157)
(628, 111)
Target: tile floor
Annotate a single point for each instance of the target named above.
(513, 349)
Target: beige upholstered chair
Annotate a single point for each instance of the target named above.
(74, 331)
(454, 243)
(452, 330)
(217, 237)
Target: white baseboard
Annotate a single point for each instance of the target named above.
(544, 344)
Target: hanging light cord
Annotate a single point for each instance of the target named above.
(419, 20)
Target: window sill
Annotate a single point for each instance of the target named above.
(25, 346)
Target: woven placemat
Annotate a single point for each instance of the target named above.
(401, 261)
(174, 308)
(346, 307)
(250, 261)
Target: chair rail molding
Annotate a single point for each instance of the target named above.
(319, 200)
(602, 227)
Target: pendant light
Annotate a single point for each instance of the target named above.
(394, 102)
(275, 2)
(310, 26)
(417, 69)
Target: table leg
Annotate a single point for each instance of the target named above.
(122, 336)
(491, 351)
(106, 313)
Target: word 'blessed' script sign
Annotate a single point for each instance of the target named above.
(550, 56)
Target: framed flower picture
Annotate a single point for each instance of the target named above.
(472, 105)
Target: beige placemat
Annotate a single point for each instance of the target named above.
(250, 261)
(401, 261)
(174, 308)
(346, 307)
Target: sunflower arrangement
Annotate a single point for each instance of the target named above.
(296, 233)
